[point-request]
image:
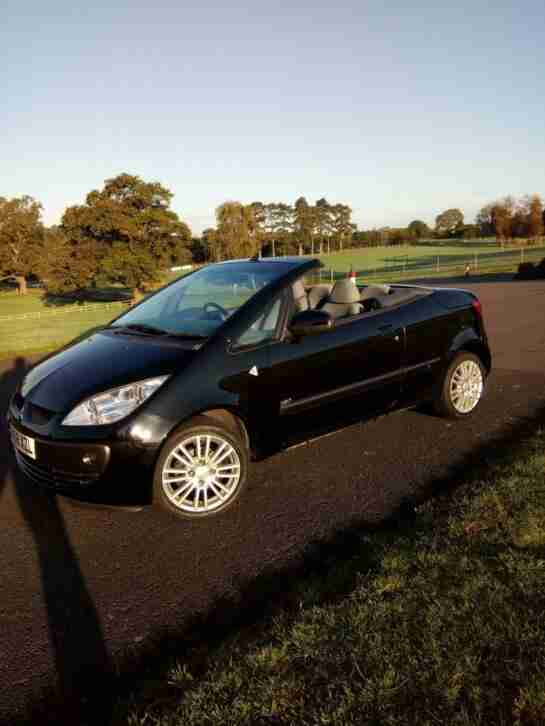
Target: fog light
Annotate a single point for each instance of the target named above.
(88, 459)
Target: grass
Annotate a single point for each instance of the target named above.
(437, 618)
(46, 328)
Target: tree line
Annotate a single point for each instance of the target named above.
(277, 229)
(127, 233)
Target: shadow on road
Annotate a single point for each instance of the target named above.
(84, 670)
(8, 381)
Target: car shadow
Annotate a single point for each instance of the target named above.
(84, 669)
(87, 296)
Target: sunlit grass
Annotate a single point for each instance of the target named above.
(441, 622)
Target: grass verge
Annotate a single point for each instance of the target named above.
(437, 618)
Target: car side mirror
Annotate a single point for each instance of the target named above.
(310, 322)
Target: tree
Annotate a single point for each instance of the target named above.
(259, 224)
(236, 227)
(448, 222)
(21, 238)
(341, 225)
(65, 267)
(211, 244)
(280, 222)
(535, 217)
(303, 226)
(322, 221)
(502, 218)
(126, 232)
(485, 221)
(418, 229)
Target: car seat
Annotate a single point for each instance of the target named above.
(344, 300)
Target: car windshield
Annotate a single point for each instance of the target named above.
(199, 303)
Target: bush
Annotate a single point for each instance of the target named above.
(529, 271)
(526, 271)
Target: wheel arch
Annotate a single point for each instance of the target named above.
(478, 348)
(230, 419)
(472, 344)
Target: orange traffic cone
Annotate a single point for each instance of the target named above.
(352, 276)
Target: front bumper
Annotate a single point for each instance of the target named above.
(79, 466)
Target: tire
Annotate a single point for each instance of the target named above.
(453, 400)
(187, 480)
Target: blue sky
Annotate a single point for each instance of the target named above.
(399, 109)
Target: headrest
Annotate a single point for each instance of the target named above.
(300, 295)
(345, 292)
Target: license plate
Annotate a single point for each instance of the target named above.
(24, 444)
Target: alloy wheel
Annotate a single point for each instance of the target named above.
(201, 473)
(466, 386)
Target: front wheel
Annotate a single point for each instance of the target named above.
(201, 470)
(462, 387)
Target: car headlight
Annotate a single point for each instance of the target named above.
(113, 405)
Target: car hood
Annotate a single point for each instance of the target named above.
(104, 360)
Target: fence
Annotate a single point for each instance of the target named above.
(407, 267)
(36, 314)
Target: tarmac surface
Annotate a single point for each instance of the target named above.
(88, 590)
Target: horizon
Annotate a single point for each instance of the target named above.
(399, 112)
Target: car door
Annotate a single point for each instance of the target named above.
(358, 354)
(427, 329)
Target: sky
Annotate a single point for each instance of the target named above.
(399, 109)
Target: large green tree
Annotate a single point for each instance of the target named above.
(448, 222)
(418, 229)
(21, 239)
(126, 232)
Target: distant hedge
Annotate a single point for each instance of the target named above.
(529, 271)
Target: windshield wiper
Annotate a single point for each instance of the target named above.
(152, 330)
(188, 335)
(142, 328)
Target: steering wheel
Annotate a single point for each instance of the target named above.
(222, 311)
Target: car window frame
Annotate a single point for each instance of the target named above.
(235, 348)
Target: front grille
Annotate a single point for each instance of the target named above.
(52, 478)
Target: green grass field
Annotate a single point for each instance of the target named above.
(436, 618)
(395, 263)
(47, 327)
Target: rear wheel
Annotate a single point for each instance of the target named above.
(462, 387)
(201, 470)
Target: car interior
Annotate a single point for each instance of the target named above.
(345, 299)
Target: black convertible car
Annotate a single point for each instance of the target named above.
(213, 368)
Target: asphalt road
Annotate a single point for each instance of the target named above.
(86, 590)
